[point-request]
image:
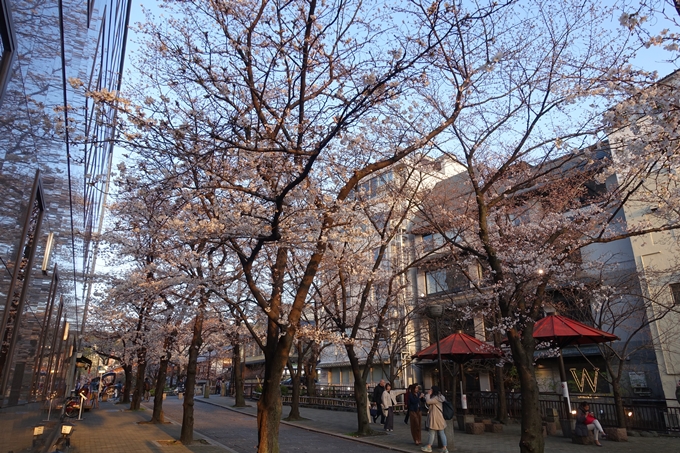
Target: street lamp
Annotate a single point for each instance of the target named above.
(435, 312)
(210, 350)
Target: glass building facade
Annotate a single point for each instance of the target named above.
(55, 162)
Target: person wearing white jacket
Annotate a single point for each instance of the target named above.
(389, 400)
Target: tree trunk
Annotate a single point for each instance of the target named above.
(294, 413)
(187, 433)
(157, 416)
(139, 381)
(531, 440)
(360, 393)
(128, 384)
(311, 375)
(269, 414)
(618, 402)
(502, 409)
(238, 377)
(361, 396)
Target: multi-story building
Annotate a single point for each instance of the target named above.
(641, 272)
(399, 337)
(55, 160)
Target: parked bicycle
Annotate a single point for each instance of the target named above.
(71, 407)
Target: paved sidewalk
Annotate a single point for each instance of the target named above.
(342, 424)
(114, 429)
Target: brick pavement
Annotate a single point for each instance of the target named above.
(111, 429)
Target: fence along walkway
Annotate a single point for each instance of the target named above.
(660, 416)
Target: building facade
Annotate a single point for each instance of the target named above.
(55, 161)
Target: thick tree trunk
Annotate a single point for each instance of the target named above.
(187, 432)
(360, 393)
(531, 440)
(157, 416)
(269, 414)
(294, 413)
(238, 377)
(361, 396)
(128, 384)
(139, 381)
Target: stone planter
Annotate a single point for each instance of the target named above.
(463, 420)
(616, 434)
(474, 428)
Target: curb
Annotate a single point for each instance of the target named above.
(315, 430)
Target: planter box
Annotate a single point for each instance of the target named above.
(463, 420)
(493, 427)
(587, 440)
(474, 428)
(616, 434)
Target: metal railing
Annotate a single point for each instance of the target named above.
(662, 416)
(659, 415)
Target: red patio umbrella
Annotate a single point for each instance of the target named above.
(562, 332)
(460, 347)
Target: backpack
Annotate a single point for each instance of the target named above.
(447, 410)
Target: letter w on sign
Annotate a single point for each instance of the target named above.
(581, 383)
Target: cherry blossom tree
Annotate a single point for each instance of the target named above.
(262, 118)
(532, 194)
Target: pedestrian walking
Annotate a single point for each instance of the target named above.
(94, 393)
(413, 410)
(677, 392)
(377, 399)
(368, 405)
(435, 419)
(147, 389)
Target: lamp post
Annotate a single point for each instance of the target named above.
(435, 312)
(210, 350)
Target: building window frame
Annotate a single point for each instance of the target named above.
(8, 40)
(675, 293)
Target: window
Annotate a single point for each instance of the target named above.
(675, 292)
(7, 46)
(445, 280)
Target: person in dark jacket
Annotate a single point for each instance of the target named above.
(377, 399)
(586, 421)
(413, 408)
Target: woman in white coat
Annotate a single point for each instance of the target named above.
(389, 400)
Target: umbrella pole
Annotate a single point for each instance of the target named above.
(564, 388)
